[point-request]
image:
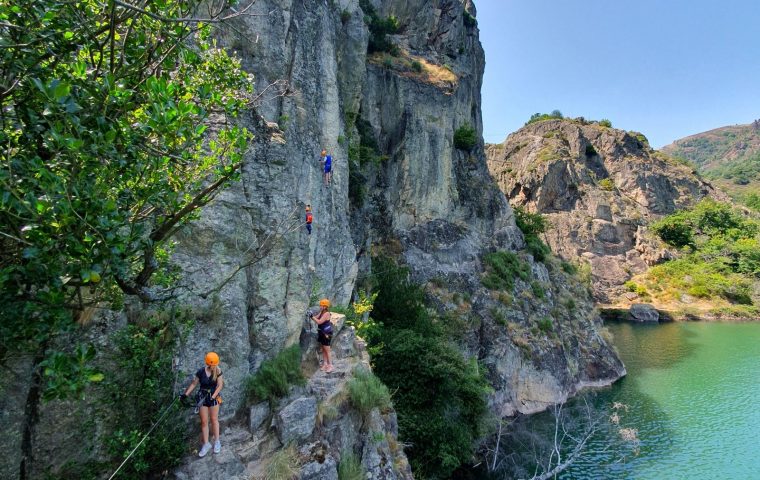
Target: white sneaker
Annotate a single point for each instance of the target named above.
(204, 449)
(217, 446)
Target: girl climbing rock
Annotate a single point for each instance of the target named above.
(211, 382)
(325, 333)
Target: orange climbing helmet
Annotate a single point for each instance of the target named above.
(324, 303)
(324, 153)
(212, 359)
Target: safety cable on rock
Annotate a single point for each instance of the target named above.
(144, 437)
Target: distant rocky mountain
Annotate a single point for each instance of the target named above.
(599, 187)
(728, 156)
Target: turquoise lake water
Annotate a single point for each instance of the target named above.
(693, 391)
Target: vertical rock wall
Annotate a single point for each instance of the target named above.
(437, 204)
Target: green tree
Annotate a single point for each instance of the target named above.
(440, 396)
(465, 138)
(539, 117)
(117, 126)
(675, 230)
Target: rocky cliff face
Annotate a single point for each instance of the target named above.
(600, 188)
(418, 198)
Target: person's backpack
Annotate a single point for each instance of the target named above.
(309, 218)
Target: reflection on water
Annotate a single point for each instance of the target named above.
(692, 391)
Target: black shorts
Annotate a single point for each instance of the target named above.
(207, 400)
(324, 338)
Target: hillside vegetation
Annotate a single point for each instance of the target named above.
(729, 157)
(718, 271)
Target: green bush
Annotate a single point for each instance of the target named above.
(538, 290)
(570, 304)
(379, 29)
(675, 230)
(275, 376)
(532, 224)
(440, 396)
(699, 291)
(642, 139)
(501, 269)
(468, 19)
(350, 467)
(539, 117)
(142, 384)
(465, 138)
(417, 66)
(607, 184)
(569, 268)
(366, 392)
(529, 223)
(545, 324)
(605, 123)
(537, 247)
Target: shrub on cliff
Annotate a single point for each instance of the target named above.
(465, 138)
(379, 29)
(140, 386)
(501, 270)
(366, 392)
(539, 117)
(275, 376)
(607, 184)
(468, 19)
(532, 224)
(440, 396)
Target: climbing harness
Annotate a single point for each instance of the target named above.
(200, 399)
(160, 419)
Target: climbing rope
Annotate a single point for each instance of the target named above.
(166, 410)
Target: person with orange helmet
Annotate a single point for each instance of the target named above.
(325, 333)
(309, 218)
(211, 383)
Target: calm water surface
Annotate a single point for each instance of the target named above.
(693, 391)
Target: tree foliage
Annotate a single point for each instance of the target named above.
(532, 225)
(440, 396)
(106, 151)
(723, 259)
(465, 138)
(539, 117)
(379, 29)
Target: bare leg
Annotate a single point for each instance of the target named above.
(215, 421)
(329, 367)
(203, 413)
(325, 358)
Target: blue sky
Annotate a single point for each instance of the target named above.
(666, 68)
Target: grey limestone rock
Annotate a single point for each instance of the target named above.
(296, 421)
(326, 470)
(599, 188)
(643, 313)
(257, 415)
